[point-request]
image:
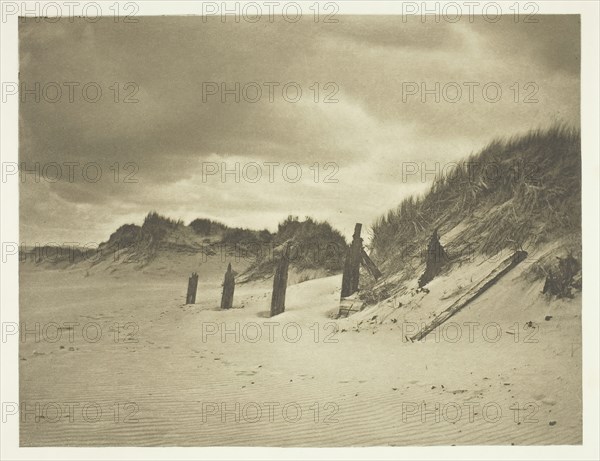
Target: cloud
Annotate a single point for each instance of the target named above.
(364, 62)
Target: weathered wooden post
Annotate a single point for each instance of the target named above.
(436, 259)
(228, 287)
(356, 256)
(370, 265)
(352, 264)
(346, 278)
(192, 288)
(280, 283)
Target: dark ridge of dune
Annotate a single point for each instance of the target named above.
(318, 249)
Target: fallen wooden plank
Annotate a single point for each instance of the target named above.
(503, 268)
(370, 265)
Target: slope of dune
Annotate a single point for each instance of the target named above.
(518, 193)
(468, 223)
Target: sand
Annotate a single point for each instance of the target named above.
(170, 377)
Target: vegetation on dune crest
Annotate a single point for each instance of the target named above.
(230, 235)
(241, 236)
(140, 242)
(150, 233)
(313, 245)
(158, 226)
(126, 235)
(203, 226)
(317, 243)
(515, 193)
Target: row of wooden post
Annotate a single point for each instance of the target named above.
(228, 289)
(279, 286)
(354, 257)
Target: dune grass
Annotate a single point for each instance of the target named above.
(313, 245)
(515, 193)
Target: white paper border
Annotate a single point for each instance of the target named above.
(590, 122)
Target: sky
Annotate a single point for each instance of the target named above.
(360, 137)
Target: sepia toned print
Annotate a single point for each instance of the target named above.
(299, 229)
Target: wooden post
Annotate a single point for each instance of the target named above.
(280, 283)
(346, 278)
(228, 287)
(352, 264)
(356, 256)
(436, 259)
(192, 287)
(370, 265)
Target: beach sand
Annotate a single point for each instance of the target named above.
(167, 374)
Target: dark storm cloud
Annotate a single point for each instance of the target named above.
(552, 41)
(368, 133)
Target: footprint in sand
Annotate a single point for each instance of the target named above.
(245, 373)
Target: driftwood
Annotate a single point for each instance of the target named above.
(370, 265)
(228, 288)
(190, 297)
(352, 264)
(280, 283)
(503, 268)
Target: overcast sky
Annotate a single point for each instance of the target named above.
(171, 134)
